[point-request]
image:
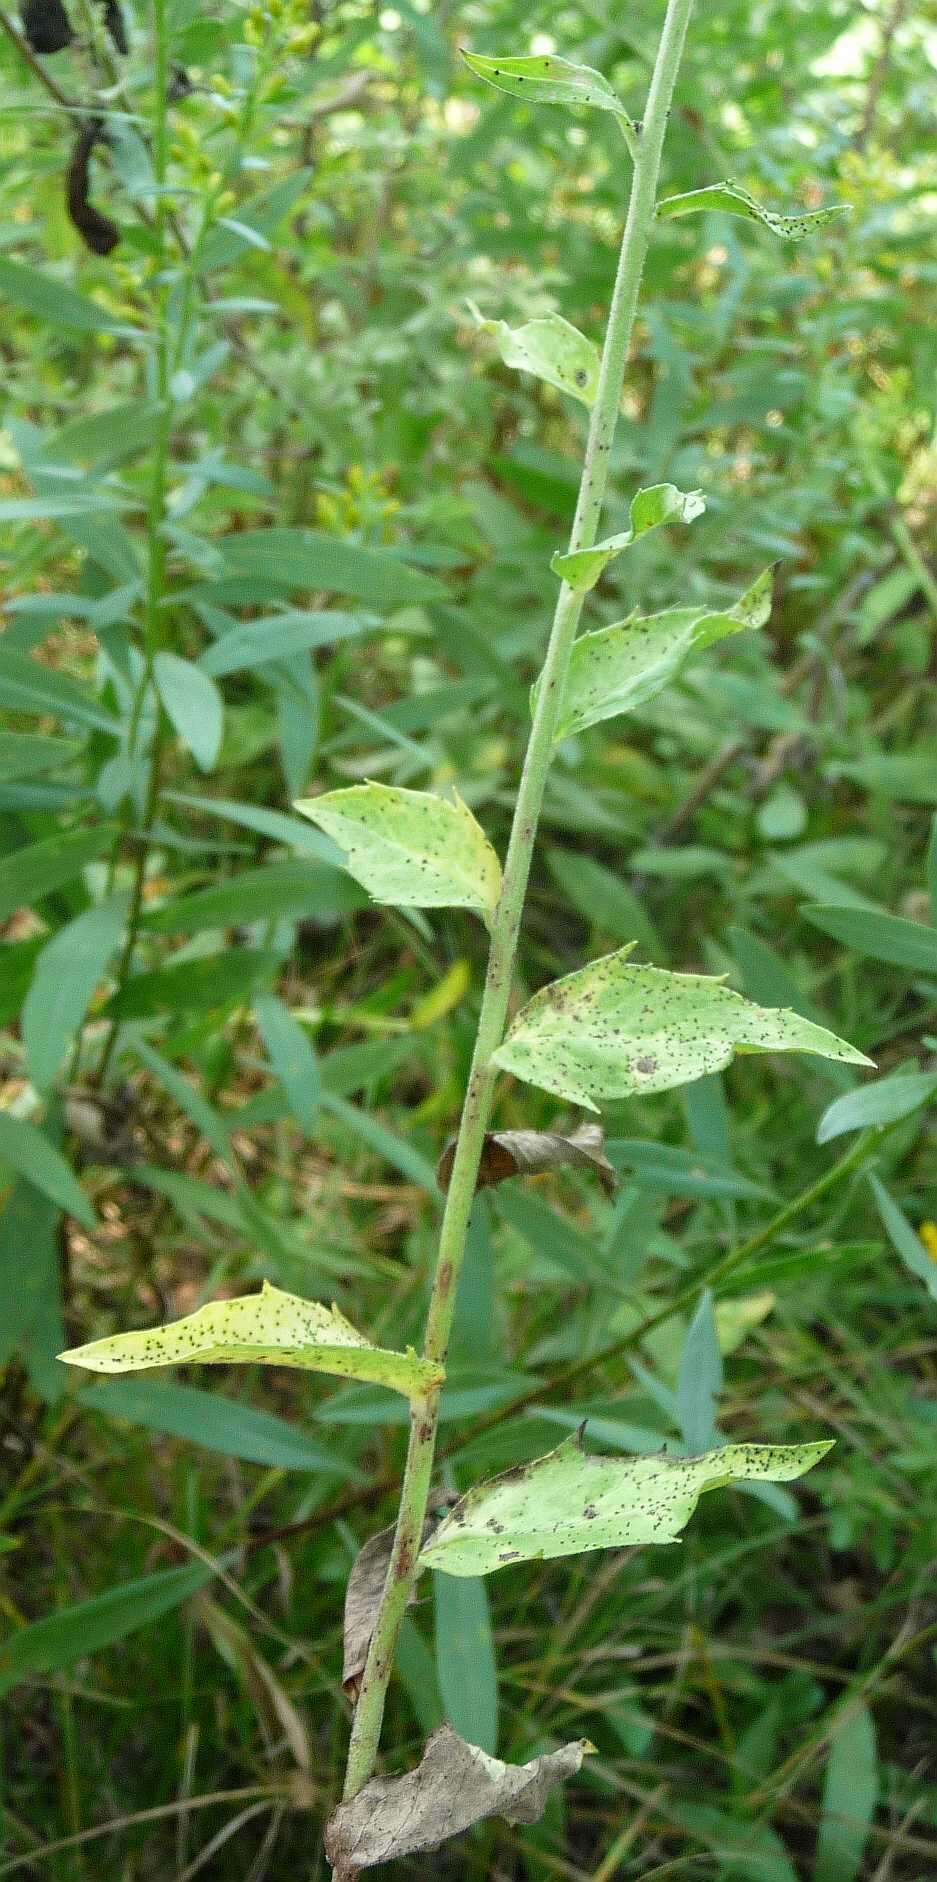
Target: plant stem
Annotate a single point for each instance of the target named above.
(414, 1494)
(155, 519)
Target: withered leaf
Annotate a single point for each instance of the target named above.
(529, 1153)
(363, 1595)
(454, 1785)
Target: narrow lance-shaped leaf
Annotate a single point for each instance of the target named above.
(454, 1785)
(659, 503)
(612, 1029)
(409, 847)
(529, 1153)
(733, 200)
(266, 1329)
(542, 78)
(193, 704)
(618, 668)
(571, 1501)
(66, 975)
(549, 348)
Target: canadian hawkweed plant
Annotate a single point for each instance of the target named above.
(614, 1028)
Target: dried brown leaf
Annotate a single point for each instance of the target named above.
(364, 1591)
(454, 1785)
(529, 1153)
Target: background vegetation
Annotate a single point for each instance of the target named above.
(761, 1699)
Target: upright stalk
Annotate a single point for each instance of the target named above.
(155, 516)
(414, 1496)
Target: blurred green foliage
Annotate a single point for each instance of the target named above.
(340, 186)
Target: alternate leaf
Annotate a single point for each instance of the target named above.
(266, 1329)
(883, 1101)
(850, 1795)
(618, 668)
(659, 503)
(215, 1422)
(613, 1029)
(193, 705)
(291, 1055)
(571, 1501)
(549, 348)
(454, 1785)
(529, 1153)
(52, 300)
(733, 200)
(26, 686)
(889, 938)
(67, 972)
(26, 875)
(410, 848)
(545, 79)
(27, 1150)
(307, 558)
(71, 1633)
(906, 1244)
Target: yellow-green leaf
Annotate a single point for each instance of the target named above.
(659, 503)
(612, 1029)
(542, 78)
(409, 847)
(549, 348)
(618, 668)
(266, 1329)
(571, 1501)
(733, 200)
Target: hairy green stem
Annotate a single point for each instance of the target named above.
(415, 1489)
(155, 520)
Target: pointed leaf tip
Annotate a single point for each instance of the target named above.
(618, 668)
(271, 1328)
(410, 848)
(611, 1030)
(572, 1501)
(731, 199)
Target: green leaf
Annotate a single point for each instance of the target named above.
(302, 558)
(550, 349)
(29, 874)
(67, 972)
(273, 823)
(731, 199)
(604, 898)
(291, 1055)
(399, 1152)
(292, 891)
(217, 1423)
(881, 1102)
(612, 1029)
(850, 1794)
(465, 1659)
(183, 986)
(258, 216)
(932, 869)
(880, 937)
(659, 503)
(699, 1380)
(71, 1633)
(50, 300)
(29, 1290)
(275, 636)
(545, 79)
(25, 1149)
(903, 1239)
(25, 686)
(27, 754)
(266, 1329)
(410, 848)
(618, 668)
(193, 705)
(571, 1501)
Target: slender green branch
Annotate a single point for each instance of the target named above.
(155, 519)
(506, 925)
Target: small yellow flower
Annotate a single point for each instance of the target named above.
(928, 1234)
